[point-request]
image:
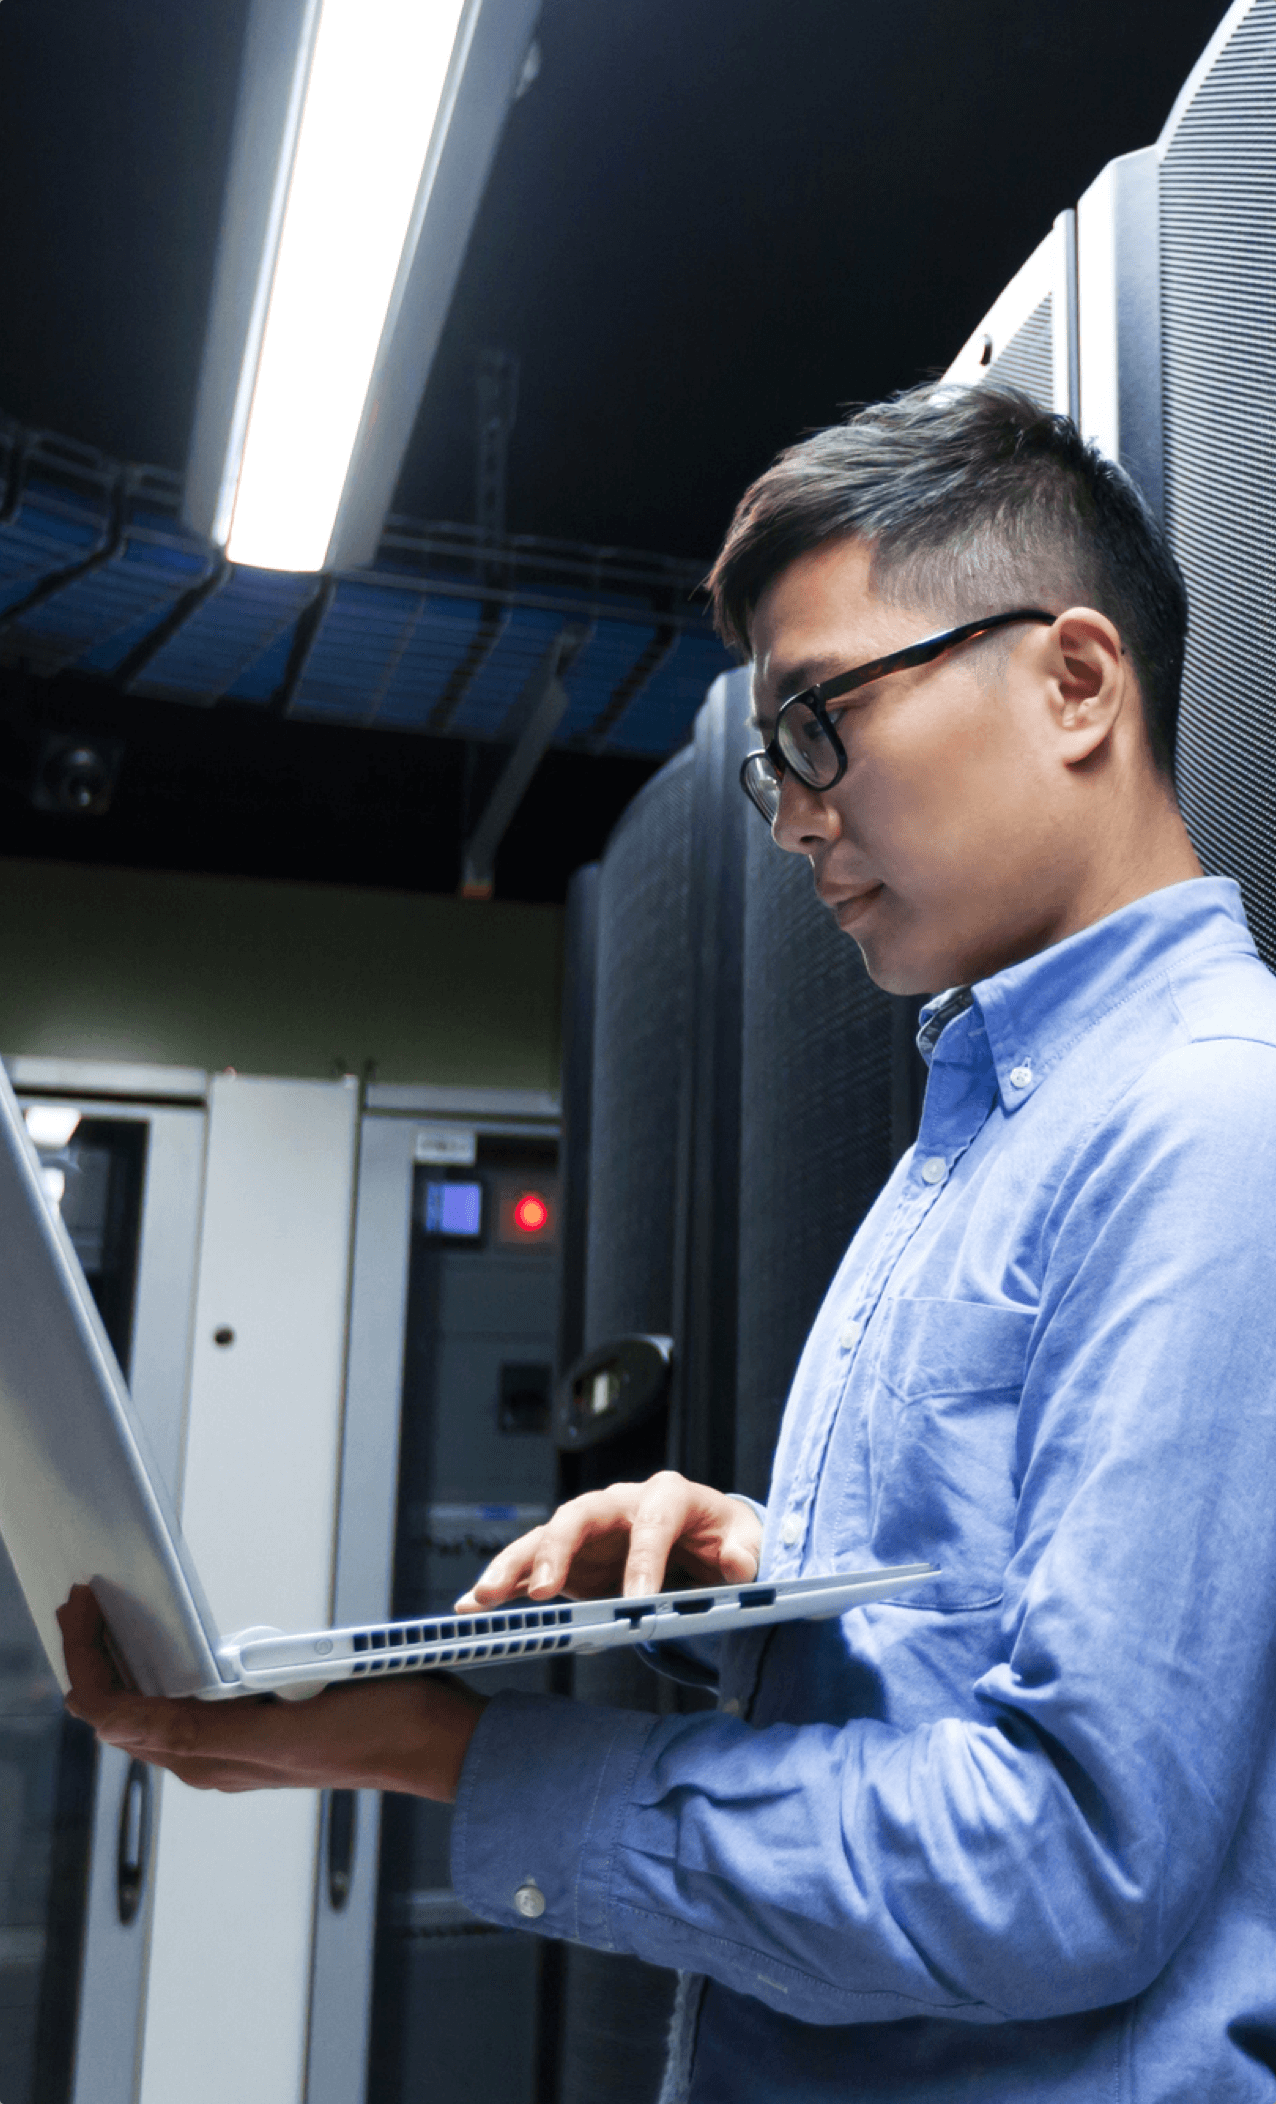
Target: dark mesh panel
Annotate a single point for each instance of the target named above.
(643, 993)
(815, 1128)
(1028, 359)
(617, 2028)
(1218, 323)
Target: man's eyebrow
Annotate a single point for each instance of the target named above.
(795, 680)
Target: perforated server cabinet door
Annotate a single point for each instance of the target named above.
(816, 1139)
(643, 1014)
(706, 1242)
(1028, 338)
(615, 2011)
(1218, 347)
(77, 1824)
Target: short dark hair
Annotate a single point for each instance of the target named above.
(974, 500)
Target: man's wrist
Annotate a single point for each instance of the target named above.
(426, 1760)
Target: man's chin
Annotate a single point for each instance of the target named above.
(885, 953)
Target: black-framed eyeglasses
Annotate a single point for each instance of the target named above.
(806, 738)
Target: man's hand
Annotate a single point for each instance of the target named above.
(625, 1541)
(409, 1734)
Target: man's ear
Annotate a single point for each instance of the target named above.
(1089, 681)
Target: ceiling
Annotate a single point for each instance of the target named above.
(711, 224)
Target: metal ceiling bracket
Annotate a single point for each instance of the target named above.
(548, 707)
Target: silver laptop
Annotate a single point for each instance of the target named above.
(82, 1503)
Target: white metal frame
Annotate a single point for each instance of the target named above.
(1119, 317)
(1049, 273)
(229, 1979)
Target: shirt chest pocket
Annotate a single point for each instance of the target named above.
(941, 1443)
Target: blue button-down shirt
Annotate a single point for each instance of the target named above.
(1012, 1836)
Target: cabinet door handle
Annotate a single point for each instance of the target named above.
(343, 1820)
(134, 1848)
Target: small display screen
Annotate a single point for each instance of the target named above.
(454, 1209)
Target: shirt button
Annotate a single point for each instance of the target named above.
(934, 1169)
(791, 1530)
(731, 1707)
(1021, 1076)
(530, 1900)
(850, 1334)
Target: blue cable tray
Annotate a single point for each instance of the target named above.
(610, 655)
(661, 713)
(517, 653)
(444, 634)
(225, 635)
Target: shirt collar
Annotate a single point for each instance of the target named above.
(1035, 1011)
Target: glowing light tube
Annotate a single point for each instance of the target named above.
(376, 82)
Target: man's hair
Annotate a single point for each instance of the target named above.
(973, 501)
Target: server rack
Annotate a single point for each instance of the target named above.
(830, 1094)
(79, 1822)
(629, 1008)
(714, 1198)
(446, 1454)
(1177, 262)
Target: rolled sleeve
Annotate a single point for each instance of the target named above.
(545, 1786)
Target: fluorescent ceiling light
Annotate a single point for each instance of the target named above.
(376, 82)
(363, 138)
(50, 1124)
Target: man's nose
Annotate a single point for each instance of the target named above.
(805, 819)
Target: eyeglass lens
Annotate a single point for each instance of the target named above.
(807, 747)
(762, 784)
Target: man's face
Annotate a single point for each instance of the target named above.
(945, 849)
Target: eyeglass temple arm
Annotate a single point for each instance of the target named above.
(918, 653)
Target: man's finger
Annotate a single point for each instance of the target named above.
(88, 1666)
(504, 1576)
(583, 1520)
(658, 1521)
(233, 1776)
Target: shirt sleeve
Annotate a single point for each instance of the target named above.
(1049, 1851)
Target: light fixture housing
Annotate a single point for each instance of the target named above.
(51, 1125)
(364, 133)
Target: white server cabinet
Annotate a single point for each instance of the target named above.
(186, 1970)
(227, 1946)
(1177, 277)
(129, 1174)
(1028, 337)
(232, 1916)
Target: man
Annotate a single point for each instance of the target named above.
(1013, 1836)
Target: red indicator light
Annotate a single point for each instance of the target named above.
(531, 1213)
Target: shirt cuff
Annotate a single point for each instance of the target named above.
(752, 1503)
(542, 1797)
